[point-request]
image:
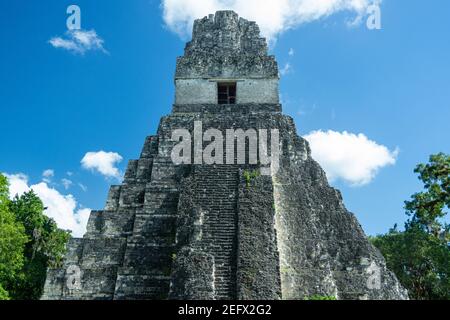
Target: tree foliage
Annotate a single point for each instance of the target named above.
(12, 242)
(420, 255)
(42, 245)
(427, 208)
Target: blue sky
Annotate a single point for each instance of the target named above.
(392, 85)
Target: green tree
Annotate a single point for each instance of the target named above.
(427, 208)
(46, 247)
(12, 243)
(3, 294)
(420, 255)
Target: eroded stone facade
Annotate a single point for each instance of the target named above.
(208, 231)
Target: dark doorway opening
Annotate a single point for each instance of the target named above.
(226, 92)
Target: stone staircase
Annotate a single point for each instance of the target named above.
(217, 196)
(146, 269)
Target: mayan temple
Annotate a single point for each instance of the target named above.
(222, 230)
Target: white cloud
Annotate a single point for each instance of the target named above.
(353, 158)
(18, 184)
(286, 69)
(79, 42)
(103, 162)
(48, 173)
(273, 16)
(66, 183)
(64, 209)
(82, 187)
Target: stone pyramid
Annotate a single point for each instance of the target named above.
(223, 230)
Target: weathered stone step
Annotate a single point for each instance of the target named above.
(218, 198)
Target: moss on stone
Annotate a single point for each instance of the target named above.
(250, 175)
